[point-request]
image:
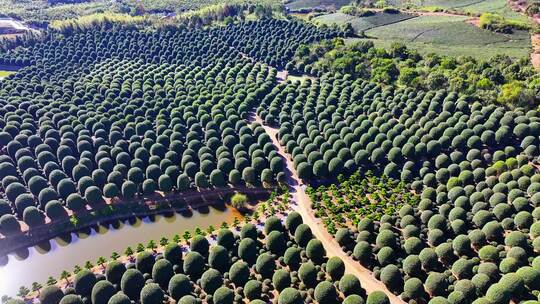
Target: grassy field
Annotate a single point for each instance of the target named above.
(362, 23)
(308, 4)
(473, 6)
(451, 35)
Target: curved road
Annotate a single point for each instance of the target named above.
(303, 206)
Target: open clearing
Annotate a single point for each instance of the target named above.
(472, 6)
(314, 4)
(363, 23)
(448, 35)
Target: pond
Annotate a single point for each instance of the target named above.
(49, 259)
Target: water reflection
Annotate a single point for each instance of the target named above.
(50, 258)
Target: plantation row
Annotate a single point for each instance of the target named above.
(284, 264)
(125, 112)
(478, 241)
(335, 125)
(273, 41)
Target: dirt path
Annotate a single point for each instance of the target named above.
(303, 206)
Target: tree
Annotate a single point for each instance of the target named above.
(50, 295)
(325, 292)
(179, 286)
(290, 296)
(151, 294)
(239, 201)
(84, 282)
(377, 297)
(211, 280)
(102, 292)
(223, 295)
(162, 272)
(131, 283)
(114, 271)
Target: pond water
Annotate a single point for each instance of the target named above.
(62, 253)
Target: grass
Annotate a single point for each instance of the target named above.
(473, 6)
(451, 35)
(362, 23)
(309, 4)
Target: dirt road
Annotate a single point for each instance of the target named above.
(303, 206)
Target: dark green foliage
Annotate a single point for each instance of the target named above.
(102, 292)
(179, 286)
(162, 272)
(151, 293)
(239, 273)
(84, 282)
(349, 284)
(325, 292)
(173, 253)
(144, 262)
(335, 268)
(193, 264)
(290, 296)
(211, 280)
(223, 295)
(131, 284)
(50, 295)
(114, 271)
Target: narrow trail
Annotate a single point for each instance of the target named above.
(303, 206)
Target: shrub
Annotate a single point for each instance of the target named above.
(265, 265)
(530, 276)
(497, 294)
(413, 288)
(276, 243)
(292, 257)
(272, 223)
(315, 251)
(281, 279)
(436, 284)
(362, 252)
(335, 268)
(325, 292)
(119, 298)
(102, 292)
(294, 219)
(193, 264)
(239, 273)
(308, 274)
(179, 286)
(75, 299)
(211, 280)
(9, 225)
(302, 235)
(253, 289)
(391, 277)
(223, 295)
(162, 272)
(219, 258)
(131, 284)
(353, 299)
(114, 271)
(84, 282)
(144, 262)
(290, 296)
(349, 284)
(377, 297)
(247, 250)
(199, 244)
(225, 238)
(173, 253)
(249, 231)
(50, 295)
(151, 294)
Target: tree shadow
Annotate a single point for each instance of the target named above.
(64, 239)
(43, 247)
